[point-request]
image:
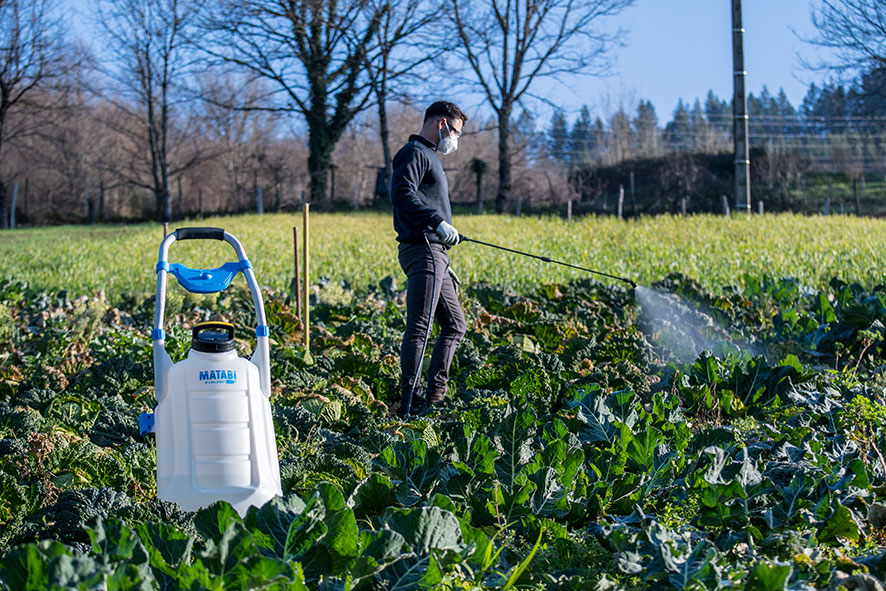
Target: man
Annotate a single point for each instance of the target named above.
(423, 221)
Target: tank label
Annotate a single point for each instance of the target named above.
(218, 376)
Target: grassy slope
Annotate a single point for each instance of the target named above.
(360, 248)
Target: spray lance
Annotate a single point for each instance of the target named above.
(463, 238)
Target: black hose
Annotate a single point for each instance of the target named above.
(462, 238)
(424, 345)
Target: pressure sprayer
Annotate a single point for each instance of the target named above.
(213, 425)
(463, 238)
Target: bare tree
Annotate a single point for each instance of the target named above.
(236, 127)
(509, 45)
(398, 51)
(314, 51)
(33, 56)
(855, 30)
(148, 39)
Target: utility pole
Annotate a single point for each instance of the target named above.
(740, 111)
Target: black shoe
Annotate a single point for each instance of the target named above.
(435, 396)
(416, 406)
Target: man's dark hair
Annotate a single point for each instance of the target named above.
(445, 109)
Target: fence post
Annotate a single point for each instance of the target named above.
(356, 196)
(12, 209)
(633, 195)
(165, 229)
(569, 210)
(860, 201)
(760, 207)
(621, 201)
(683, 206)
(25, 199)
(725, 206)
(827, 206)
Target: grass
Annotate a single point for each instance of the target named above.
(360, 248)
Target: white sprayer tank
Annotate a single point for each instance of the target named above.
(213, 424)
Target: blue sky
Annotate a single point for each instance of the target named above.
(681, 48)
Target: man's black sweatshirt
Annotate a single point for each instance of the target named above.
(419, 191)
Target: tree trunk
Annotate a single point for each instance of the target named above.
(4, 109)
(4, 214)
(164, 204)
(101, 199)
(319, 159)
(385, 139)
(479, 192)
(504, 158)
(319, 147)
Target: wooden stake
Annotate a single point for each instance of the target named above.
(306, 320)
(296, 281)
(165, 229)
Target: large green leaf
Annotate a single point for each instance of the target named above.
(768, 577)
(213, 521)
(342, 538)
(641, 449)
(28, 567)
(280, 519)
(426, 528)
(378, 550)
(223, 555)
(167, 547)
(839, 525)
(594, 420)
(549, 496)
(475, 450)
(793, 499)
(687, 570)
(623, 404)
(411, 572)
(513, 439)
(373, 495)
(413, 468)
(114, 541)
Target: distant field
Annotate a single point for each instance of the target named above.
(360, 248)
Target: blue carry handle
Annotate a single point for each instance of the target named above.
(205, 280)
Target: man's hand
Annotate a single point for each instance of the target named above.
(448, 234)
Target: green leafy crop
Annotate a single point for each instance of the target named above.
(733, 441)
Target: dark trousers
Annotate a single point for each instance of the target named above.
(427, 300)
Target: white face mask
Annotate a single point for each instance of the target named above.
(449, 143)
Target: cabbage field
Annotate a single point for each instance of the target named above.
(719, 427)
